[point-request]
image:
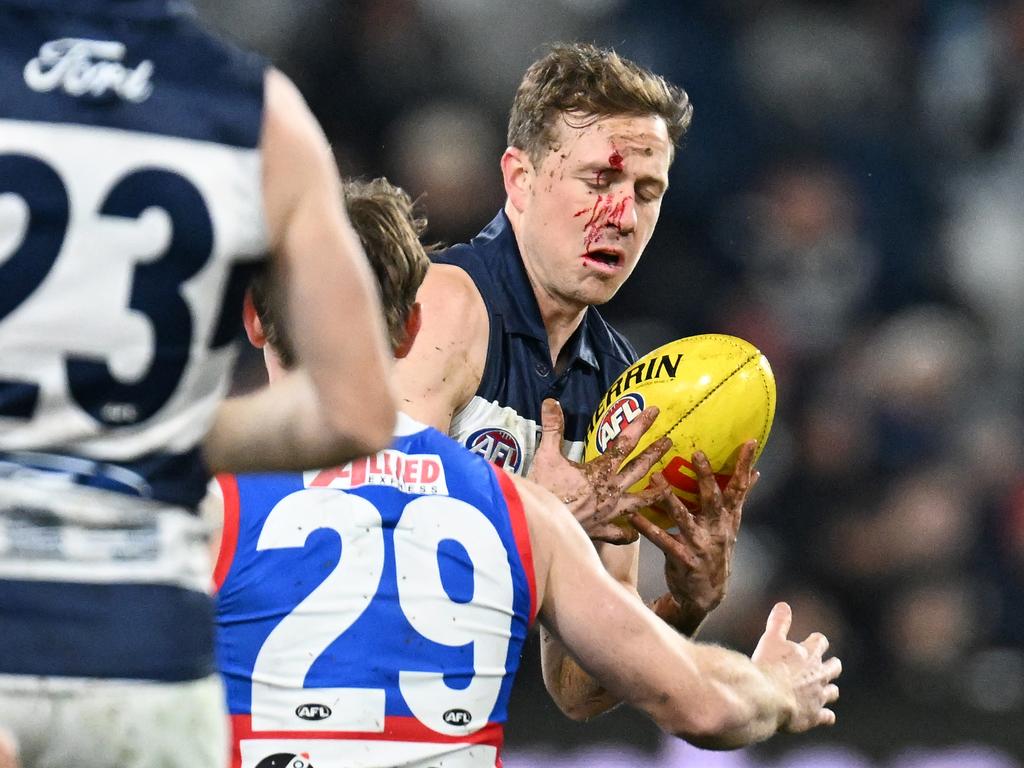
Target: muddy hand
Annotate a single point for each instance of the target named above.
(597, 491)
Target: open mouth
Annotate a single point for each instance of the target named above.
(606, 260)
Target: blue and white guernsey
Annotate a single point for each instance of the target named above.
(373, 615)
(130, 220)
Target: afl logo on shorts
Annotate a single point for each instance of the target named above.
(285, 760)
(622, 412)
(457, 717)
(498, 446)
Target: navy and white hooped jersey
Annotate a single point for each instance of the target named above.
(374, 612)
(130, 220)
(502, 420)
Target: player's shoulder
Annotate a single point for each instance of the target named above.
(216, 53)
(453, 280)
(486, 259)
(452, 300)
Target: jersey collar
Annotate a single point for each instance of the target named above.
(498, 244)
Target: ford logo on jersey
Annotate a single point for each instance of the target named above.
(457, 717)
(498, 446)
(79, 67)
(624, 411)
(313, 711)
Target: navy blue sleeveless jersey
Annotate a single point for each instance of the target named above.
(130, 190)
(376, 609)
(502, 420)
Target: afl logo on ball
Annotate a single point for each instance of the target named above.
(285, 760)
(622, 412)
(498, 446)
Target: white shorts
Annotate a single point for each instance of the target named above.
(60, 723)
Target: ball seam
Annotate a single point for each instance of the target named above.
(714, 389)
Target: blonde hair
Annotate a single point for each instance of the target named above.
(389, 229)
(595, 82)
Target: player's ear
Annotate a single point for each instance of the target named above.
(251, 321)
(517, 171)
(412, 327)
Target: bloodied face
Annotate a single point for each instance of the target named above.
(592, 205)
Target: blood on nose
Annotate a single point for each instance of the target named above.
(607, 211)
(623, 215)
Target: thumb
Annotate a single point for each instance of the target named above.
(779, 620)
(552, 424)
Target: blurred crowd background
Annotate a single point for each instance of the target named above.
(850, 198)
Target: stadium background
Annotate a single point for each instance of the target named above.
(849, 198)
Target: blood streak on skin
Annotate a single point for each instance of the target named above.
(615, 162)
(605, 212)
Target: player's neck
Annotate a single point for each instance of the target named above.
(561, 319)
(275, 369)
(560, 314)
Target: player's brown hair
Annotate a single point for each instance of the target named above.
(389, 228)
(579, 78)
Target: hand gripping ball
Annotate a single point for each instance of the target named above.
(714, 392)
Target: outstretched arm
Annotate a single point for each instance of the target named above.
(341, 404)
(697, 559)
(713, 697)
(578, 694)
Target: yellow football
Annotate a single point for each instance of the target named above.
(714, 392)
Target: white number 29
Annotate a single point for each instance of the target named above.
(293, 646)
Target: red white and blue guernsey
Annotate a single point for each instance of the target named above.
(373, 615)
(130, 220)
(502, 420)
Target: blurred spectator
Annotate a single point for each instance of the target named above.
(445, 153)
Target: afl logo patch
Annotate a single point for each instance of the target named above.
(498, 446)
(457, 717)
(313, 711)
(622, 412)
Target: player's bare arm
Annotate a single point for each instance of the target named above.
(445, 366)
(576, 692)
(697, 560)
(341, 404)
(710, 696)
(8, 751)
